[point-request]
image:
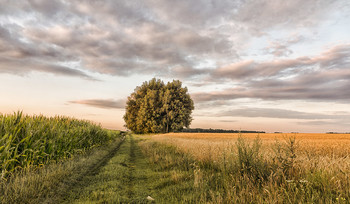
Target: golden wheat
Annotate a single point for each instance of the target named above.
(330, 152)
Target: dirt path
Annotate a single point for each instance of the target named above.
(80, 178)
(125, 177)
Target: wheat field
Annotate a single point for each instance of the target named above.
(257, 168)
(330, 152)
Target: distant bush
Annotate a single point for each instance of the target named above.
(201, 130)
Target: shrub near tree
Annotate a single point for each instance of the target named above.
(155, 107)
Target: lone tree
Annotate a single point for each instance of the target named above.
(155, 107)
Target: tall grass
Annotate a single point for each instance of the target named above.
(254, 171)
(50, 183)
(37, 140)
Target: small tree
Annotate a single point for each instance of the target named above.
(155, 107)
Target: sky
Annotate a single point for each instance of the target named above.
(269, 65)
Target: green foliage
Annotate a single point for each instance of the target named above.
(155, 107)
(36, 140)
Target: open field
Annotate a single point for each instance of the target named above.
(272, 168)
(327, 149)
(194, 168)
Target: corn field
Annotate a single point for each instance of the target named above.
(37, 140)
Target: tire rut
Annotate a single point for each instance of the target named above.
(131, 168)
(79, 180)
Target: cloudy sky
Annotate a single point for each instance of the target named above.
(270, 65)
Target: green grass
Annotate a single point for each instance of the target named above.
(50, 183)
(114, 183)
(127, 178)
(27, 141)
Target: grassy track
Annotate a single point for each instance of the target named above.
(126, 178)
(83, 177)
(129, 177)
(119, 173)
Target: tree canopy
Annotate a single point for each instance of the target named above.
(156, 107)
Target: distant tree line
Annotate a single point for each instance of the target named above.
(201, 130)
(338, 133)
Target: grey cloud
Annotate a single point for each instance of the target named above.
(128, 37)
(300, 118)
(303, 118)
(323, 77)
(252, 69)
(279, 49)
(227, 94)
(194, 13)
(319, 122)
(124, 12)
(10, 7)
(18, 57)
(120, 55)
(238, 70)
(47, 8)
(333, 123)
(228, 121)
(118, 37)
(271, 14)
(102, 103)
(277, 113)
(187, 71)
(285, 91)
(22, 67)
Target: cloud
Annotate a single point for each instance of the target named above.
(281, 47)
(186, 72)
(277, 113)
(47, 9)
(170, 38)
(20, 58)
(193, 13)
(332, 123)
(337, 57)
(110, 37)
(300, 118)
(278, 49)
(23, 67)
(289, 15)
(323, 77)
(227, 121)
(319, 123)
(102, 103)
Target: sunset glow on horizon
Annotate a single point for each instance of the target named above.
(274, 66)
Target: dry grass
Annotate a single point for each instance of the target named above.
(330, 152)
(275, 168)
